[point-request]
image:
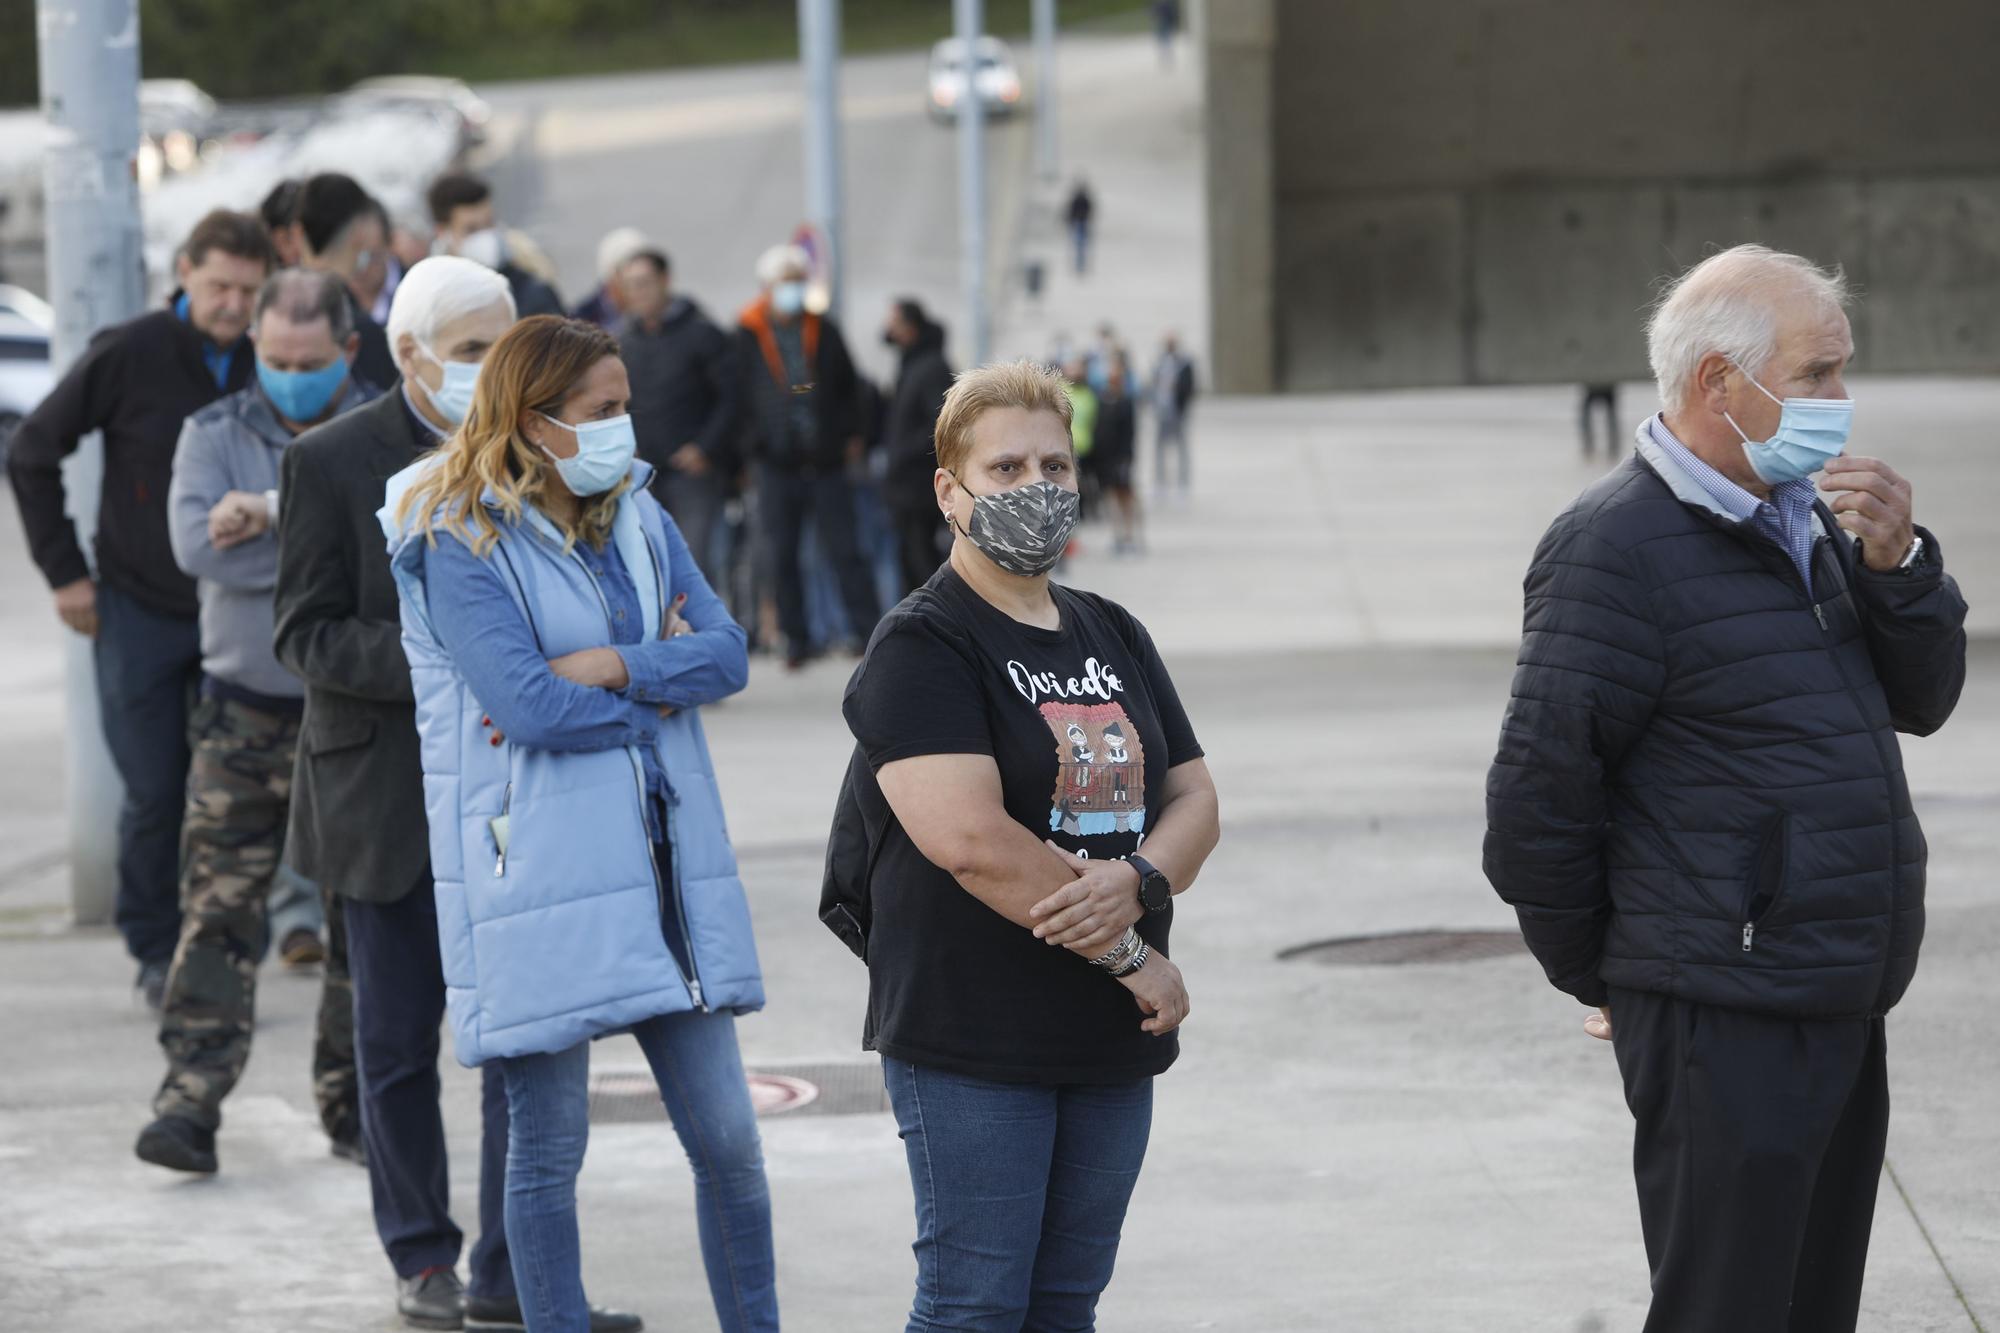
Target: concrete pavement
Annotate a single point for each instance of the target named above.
(1368, 1150)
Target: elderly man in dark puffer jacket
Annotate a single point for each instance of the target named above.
(1698, 807)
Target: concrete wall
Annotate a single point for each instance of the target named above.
(1487, 191)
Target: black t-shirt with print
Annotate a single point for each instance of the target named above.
(1083, 724)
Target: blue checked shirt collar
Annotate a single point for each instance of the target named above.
(1786, 518)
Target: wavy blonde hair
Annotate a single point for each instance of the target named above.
(1000, 384)
(534, 367)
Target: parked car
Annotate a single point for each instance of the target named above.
(25, 378)
(996, 78)
(452, 98)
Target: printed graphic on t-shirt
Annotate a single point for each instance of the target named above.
(1101, 770)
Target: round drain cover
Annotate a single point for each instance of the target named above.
(1408, 946)
(773, 1093)
(844, 1088)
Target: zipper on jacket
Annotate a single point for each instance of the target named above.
(1819, 614)
(691, 975)
(500, 851)
(1778, 838)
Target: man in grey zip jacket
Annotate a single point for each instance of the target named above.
(221, 506)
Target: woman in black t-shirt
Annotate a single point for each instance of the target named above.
(1028, 743)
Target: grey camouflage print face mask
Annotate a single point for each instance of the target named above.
(1025, 530)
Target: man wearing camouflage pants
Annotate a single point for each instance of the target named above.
(221, 509)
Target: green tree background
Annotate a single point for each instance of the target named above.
(288, 48)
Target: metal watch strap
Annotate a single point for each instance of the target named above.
(1914, 554)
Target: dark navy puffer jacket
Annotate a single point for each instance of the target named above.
(1698, 789)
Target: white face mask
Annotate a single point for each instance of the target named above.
(453, 398)
(603, 456)
(484, 247)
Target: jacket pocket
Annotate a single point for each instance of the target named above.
(343, 734)
(1770, 870)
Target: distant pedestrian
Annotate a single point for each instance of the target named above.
(1114, 457)
(343, 231)
(923, 377)
(137, 383)
(1166, 27)
(1082, 208)
(461, 206)
(357, 814)
(801, 420)
(1021, 1074)
(1172, 401)
(1699, 810)
(605, 305)
(1605, 397)
(562, 642)
(223, 507)
(684, 399)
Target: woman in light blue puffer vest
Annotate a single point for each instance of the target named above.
(560, 639)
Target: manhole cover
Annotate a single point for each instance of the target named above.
(626, 1095)
(1408, 946)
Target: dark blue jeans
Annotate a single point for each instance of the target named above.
(786, 500)
(1021, 1192)
(700, 1076)
(148, 671)
(392, 956)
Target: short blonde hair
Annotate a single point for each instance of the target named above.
(1022, 384)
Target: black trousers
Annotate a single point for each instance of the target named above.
(785, 500)
(1758, 1148)
(392, 954)
(148, 671)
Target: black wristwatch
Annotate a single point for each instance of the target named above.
(1155, 894)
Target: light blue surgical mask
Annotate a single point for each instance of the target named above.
(302, 395)
(1812, 432)
(603, 457)
(788, 298)
(454, 397)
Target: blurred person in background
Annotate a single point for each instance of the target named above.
(563, 643)
(1081, 210)
(605, 305)
(357, 814)
(923, 377)
(223, 507)
(462, 209)
(1173, 398)
(137, 383)
(684, 392)
(343, 231)
(280, 212)
(801, 422)
(1113, 456)
(1166, 27)
(1083, 430)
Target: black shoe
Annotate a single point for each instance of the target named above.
(152, 983)
(178, 1144)
(351, 1150)
(432, 1299)
(487, 1314)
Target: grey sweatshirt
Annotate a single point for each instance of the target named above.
(235, 444)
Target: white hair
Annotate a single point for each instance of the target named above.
(440, 289)
(618, 246)
(779, 260)
(1728, 303)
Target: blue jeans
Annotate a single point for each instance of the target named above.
(1021, 1192)
(148, 669)
(700, 1074)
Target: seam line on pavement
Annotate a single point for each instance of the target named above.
(1925, 1232)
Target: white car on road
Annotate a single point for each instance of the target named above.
(25, 379)
(996, 79)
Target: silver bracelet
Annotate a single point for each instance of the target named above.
(1121, 952)
(1138, 961)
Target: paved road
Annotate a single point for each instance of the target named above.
(1368, 1150)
